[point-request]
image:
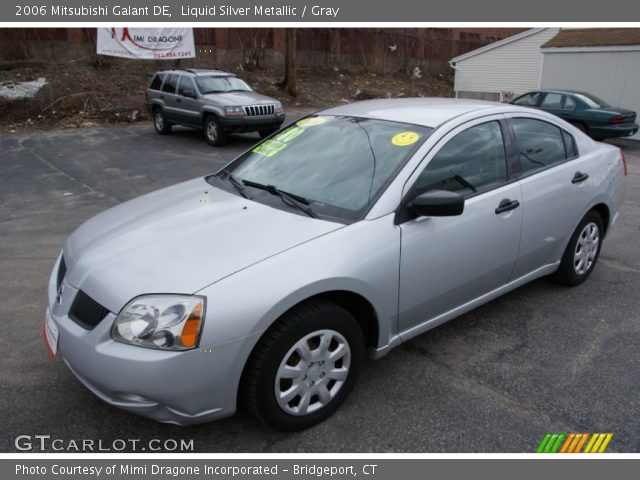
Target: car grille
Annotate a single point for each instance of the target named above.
(62, 271)
(259, 110)
(86, 312)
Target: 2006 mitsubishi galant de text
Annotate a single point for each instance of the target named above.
(351, 230)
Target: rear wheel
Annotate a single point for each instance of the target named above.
(160, 122)
(304, 367)
(213, 131)
(582, 252)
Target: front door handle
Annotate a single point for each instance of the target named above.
(579, 177)
(179, 100)
(506, 205)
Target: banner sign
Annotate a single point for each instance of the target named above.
(146, 43)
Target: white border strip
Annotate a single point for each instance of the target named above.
(247, 24)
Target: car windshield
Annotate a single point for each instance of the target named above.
(216, 84)
(338, 165)
(592, 101)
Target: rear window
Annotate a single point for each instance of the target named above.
(170, 84)
(156, 83)
(540, 144)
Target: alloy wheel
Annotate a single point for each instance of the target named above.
(586, 249)
(312, 372)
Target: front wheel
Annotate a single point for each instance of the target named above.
(213, 131)
(304, 367)
(582, 252)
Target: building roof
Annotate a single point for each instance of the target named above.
(594, 37)
(497, 44)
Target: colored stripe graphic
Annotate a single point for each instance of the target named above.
(573, 442)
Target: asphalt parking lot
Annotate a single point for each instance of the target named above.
(543, 358)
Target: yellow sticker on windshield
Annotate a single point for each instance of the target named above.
(311, 121)
(404, 139)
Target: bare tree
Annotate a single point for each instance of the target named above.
(289, 82)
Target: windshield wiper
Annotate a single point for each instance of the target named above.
(290, 199)
(236, 183)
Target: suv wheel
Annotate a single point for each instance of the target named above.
(213, 131)
(304, 367)
(265, 133)
(160, 123)
(582, 252)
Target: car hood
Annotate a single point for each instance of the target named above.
(238, 98)
(178, 240)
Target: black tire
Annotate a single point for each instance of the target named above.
(568, 272)
(213, 132)
(258, 387)
(160, 122)
(580, 126)
(265, 133)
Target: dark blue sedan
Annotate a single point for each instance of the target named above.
(587, 112)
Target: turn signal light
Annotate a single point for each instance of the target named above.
(191, 329)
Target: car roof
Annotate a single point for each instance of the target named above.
(200, 72)
(428, 112)
(563, 92)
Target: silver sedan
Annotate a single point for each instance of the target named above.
(349, 232)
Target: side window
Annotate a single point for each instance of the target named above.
(569, 145)
(473, 161)
(528, 100)
(186, 83)
(156, 83)
(552, 100)
(540, 144)
(569, 103)
(170, 84)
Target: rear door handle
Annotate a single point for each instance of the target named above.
(579, 177)
(179, 100)
(506, 205)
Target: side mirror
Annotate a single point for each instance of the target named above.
(437, 203)
(189, 93)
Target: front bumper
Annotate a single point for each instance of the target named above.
(252, 124)
(173, 387)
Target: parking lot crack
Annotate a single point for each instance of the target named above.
(487, 391)
(75, 179)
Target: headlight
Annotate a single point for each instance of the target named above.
(279, 108)
(167, 322)
(234, 111)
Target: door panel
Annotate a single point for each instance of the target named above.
(448, 261)
(187, 108)
(552, 207)
(556, 190)
(168, 95)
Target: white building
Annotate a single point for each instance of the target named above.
(605, 62)
(501, 70)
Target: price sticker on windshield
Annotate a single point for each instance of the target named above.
(269, 148)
